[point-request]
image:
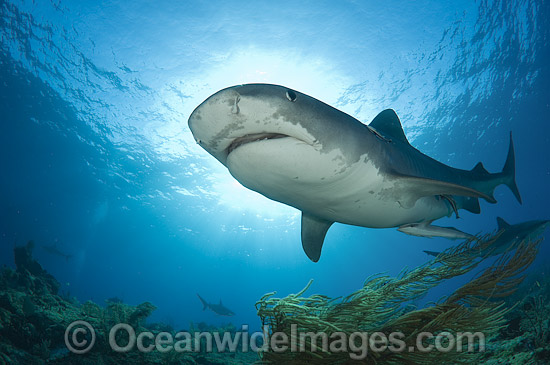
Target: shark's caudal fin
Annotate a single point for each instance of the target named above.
(506, 177)
(509, 171)
(204, 303)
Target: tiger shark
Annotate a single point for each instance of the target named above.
(297, 150)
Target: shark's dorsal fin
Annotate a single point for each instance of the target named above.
(387, 122)
(502, 224)
(480, 169)
(314, 231)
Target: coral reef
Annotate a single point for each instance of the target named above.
(526, 338)
(34, 318)
(514, 319)
(381, 307)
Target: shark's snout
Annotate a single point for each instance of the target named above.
(216, 122)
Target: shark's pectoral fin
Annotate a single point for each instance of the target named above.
(414, 188)
(314, 230)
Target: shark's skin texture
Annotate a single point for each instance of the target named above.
(299, 151)
(219, 309)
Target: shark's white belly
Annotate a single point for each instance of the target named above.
(325, 185)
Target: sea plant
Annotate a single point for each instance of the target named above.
(379, 307)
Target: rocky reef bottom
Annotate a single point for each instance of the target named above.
(34, 319)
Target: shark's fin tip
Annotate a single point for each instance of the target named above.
(509, 171)
(314, 231)
(388, 123)
(502, 224)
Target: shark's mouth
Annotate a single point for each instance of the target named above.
(249, 138)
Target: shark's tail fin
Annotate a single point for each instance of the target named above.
(204, 304)
(509, 171)
(506, 177)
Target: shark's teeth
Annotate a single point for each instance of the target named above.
(252, 138)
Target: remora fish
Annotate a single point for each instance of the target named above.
(297, 150)
(219, 309)
(425, 229)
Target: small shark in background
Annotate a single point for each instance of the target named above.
(219, 309)
(299, 151)
(509, 236)
(53, 250)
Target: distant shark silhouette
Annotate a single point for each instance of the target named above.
(219, 309)
(432, 253)
(53, 250)
(510, 235)
(299, 151)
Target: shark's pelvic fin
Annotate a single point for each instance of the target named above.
(469, 203)
(387, 122)
(314, 231)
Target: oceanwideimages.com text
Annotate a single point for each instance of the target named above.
(80, 338)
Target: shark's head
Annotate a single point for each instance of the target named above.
(270, 136)
(530, 230)
(536, 229)
(247, 114)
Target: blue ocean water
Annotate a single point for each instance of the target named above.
(97, 158)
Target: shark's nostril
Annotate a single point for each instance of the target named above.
(235, 107)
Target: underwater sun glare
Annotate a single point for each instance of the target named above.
(313, 76)
(231, 193)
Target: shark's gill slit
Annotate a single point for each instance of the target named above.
(252, 138)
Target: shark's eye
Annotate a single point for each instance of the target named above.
(291, 95)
